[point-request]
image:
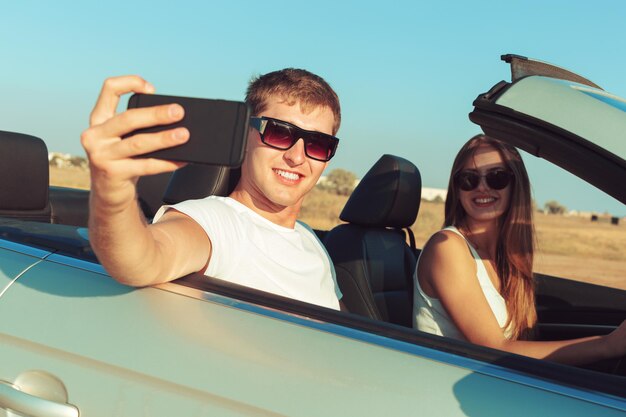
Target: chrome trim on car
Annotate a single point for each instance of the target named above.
(24, 249)
(13, 398)
(474, 365)
(77, 263)
(53, 257)
(563, 326)
(19, 275)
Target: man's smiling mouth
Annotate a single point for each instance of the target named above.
(291, 176)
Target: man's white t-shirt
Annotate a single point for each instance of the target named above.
(250, 250)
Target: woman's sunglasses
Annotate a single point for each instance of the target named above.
(282, 135)
(497, 179)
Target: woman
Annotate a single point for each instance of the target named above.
(474, 278)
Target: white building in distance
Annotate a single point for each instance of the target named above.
(431, 194)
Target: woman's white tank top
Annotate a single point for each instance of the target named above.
(429, 314)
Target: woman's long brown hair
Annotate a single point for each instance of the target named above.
(516, 236)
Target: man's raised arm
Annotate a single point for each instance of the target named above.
(132, 251)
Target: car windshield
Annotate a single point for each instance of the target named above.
(592, 114)
(618, 147)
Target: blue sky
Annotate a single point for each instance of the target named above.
(406, 71)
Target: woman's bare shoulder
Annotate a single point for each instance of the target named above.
(445, 241)
(445, 251)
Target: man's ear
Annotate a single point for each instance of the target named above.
(251, 138)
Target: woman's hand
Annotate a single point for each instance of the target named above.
(615, 342)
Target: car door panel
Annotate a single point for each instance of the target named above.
(574, 303)
(123, 351)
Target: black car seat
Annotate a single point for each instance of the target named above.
(24, 178)
(199, 181)
(190, 182)
(150, 190)
(373, 261)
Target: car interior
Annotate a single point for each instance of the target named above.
(373, 250)
(373, 262)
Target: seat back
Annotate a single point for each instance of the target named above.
(199, 181)
(193, 181)
(69, 206)
(24, 177)
(374, 264)
(150, 190)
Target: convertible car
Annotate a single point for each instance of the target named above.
(75, 342)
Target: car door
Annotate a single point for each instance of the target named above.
(71, 335)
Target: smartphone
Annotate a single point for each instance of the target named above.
(218, 129)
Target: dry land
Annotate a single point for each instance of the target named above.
(72, 177)
(569, 247)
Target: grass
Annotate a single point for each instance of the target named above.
(562, 235)
(321, 209)
(72, 177)
(569, 247)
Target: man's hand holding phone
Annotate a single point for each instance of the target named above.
(157, 134)
(113, 161)
(130, 249)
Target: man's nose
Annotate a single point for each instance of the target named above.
(296, 154)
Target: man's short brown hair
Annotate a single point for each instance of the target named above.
(293, 86)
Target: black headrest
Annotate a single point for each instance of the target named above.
(23, 172)
(198, 181)
(388, 196)
(150, 190)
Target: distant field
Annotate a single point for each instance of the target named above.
(570, 247)
(69, 177)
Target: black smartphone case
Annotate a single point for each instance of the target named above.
(218, 129)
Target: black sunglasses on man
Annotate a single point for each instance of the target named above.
(282, 135)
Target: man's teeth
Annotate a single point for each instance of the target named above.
(484, 200)
(287, 175)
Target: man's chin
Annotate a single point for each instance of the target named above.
(285, 199)
(285, 202)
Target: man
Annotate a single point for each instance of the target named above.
(251, 237)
